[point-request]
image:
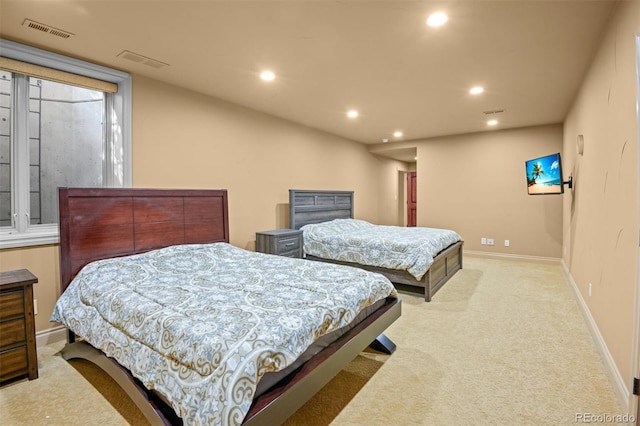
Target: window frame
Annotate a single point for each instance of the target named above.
(117, 128)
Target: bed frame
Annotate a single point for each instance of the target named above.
(307, 207)
(104, 223)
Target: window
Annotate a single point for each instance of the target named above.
(55, 133)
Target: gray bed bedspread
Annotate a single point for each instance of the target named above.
(202, 323)
(411, 249)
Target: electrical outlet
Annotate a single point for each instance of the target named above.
(35, 306)
(589, 289)
(506, 243)
(489, 241)
(483, 241)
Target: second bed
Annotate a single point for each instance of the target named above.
(414, 257)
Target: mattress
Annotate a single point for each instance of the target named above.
(202, 324)
(410, 249)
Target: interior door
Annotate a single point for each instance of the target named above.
(412, 205)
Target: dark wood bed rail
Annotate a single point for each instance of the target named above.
(131, 221)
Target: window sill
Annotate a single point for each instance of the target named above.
(39, 237)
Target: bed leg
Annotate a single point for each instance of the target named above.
(383, 344)
(122, 377)
(427, 286)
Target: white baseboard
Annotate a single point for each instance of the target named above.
(617, 381)
(506, 256)
(52, 335)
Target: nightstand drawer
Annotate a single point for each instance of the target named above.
(13, 363)
(12, 333)
(11, 305)
(283, 242)
(294, 253)
(287, 244)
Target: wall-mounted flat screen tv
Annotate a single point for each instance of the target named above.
(544, 175)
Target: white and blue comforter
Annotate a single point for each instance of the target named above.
(393, 247)
(202, 323)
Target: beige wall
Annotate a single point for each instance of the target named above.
(44, 263)
(182, 139)
(392, 189)
(476, 185)
(601, 215)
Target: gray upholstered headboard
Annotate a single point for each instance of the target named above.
(307, 206)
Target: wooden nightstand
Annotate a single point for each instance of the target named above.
(18, 356)
(283, 242)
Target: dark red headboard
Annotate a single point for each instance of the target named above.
(100, 223)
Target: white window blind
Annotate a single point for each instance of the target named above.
(51, 74)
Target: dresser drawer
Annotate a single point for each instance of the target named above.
(288, 244)
(13, 363)
(18, 353)
(11, 305)
(13, 333)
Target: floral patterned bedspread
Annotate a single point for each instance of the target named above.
(202, 323)
(394, 247)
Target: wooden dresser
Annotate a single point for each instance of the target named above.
(283, 242)
(18, 356)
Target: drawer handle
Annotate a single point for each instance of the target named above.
(289, 244)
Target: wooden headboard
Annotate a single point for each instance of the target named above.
(100, 223)
(318, 206)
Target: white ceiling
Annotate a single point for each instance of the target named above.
(378, 57)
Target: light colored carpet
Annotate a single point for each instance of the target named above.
(59, 396)
(503, 343)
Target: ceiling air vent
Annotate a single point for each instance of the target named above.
(495, 111)
(131, 56)
(46, 29)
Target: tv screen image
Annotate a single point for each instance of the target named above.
(544, 175)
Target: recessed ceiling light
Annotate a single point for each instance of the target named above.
(437, 19)
(267, 75)
(397, 134)
(476, 90)
(385, 140)
(492, 122)
(352, 114)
